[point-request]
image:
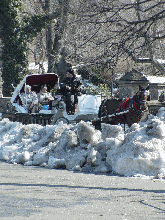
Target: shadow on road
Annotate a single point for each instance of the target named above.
(79, 187)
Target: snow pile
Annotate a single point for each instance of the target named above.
(138, 151)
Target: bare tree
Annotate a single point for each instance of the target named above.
(113, 34)
(106, 30)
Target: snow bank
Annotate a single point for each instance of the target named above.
(138, 151)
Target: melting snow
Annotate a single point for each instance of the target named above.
(137, 152)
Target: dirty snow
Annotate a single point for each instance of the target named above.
(138, 151)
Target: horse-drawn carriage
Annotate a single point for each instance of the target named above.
(52, 111)
(89, 107)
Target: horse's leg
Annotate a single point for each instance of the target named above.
(129, 119)
(124, 126)
(132, 118)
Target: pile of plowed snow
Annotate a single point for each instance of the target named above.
(138, 151)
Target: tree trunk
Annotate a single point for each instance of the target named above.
(53, 44)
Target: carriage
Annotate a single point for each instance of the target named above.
(54, 111)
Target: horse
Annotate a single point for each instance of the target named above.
(127, 111)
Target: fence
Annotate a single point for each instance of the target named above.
(153, 105)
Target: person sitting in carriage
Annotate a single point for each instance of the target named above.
(70, 88)
(29, 100)
(45, 97)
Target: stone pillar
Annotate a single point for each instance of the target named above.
(129, 83)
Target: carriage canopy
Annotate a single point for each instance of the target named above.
(35, 81)
(49, 79)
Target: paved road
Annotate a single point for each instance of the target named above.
(40, 193)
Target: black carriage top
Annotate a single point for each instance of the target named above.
(36, 81)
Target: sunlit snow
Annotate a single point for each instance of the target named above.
(140, 150)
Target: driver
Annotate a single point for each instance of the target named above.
(70, 87)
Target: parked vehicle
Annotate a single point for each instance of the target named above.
(53, 111)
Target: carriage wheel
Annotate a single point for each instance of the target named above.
(62, 119)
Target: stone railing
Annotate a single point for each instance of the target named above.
(3, 103)
(154, 106)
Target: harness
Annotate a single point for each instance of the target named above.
(125, 103)
(128, 103)
(134, 103)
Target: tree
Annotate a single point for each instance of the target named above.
(14, 50)
(48, 42)
(15, 33)
(57, 11)
(143, 34)
(114, 29)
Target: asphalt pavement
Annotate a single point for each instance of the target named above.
(39, 193)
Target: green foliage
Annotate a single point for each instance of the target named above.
(14, 50)
(83, 72)
(93, 77)
(33, 25)
(99, 84)
(15, 34)
(102, 89)
(92, 89)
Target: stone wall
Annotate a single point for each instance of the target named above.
(3, 103)
(129, 89)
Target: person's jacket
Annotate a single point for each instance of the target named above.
(70, 86)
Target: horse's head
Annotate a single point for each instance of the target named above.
(143, 95)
